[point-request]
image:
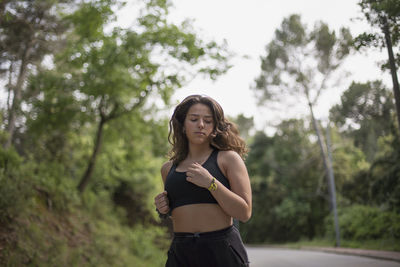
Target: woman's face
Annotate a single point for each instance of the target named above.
(199, 124)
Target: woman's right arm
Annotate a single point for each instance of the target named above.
(161, 200)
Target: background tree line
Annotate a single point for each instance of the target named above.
(83, 137)
(288, 169)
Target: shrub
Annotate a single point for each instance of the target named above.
(358, 222)
(15, 189)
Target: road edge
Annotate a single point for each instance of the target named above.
(377, 254)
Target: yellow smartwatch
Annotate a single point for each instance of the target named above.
(213, 185)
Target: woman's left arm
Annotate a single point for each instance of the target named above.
(235, 202)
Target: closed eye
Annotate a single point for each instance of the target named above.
(208, 122)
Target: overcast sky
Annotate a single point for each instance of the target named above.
(248, 26)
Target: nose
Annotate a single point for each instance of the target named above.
(201, 124)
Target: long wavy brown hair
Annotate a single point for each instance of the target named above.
(226, 133)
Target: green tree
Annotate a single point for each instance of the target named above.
(366, 118)
(383, 15)
(29, 30)
(289, 195)
(378, 183)
(113, 75)
(100, 73)
(384, 174)
(284, 171)
(244, 124)
(302, 64)
(365, 114)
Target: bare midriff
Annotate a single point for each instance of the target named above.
(196, 218)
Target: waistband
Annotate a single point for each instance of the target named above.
(211, 234)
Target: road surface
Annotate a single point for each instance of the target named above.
(279, 257)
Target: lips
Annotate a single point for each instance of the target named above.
(200, 133)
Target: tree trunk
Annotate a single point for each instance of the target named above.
(2, 8)
(329, 173)
(393, 69)
(89, 170)
(9, 87)
(103, 119)
(12, 116)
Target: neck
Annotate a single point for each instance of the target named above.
(198, 152)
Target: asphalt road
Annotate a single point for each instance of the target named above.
(277, 257)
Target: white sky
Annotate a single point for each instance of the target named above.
(248, 26)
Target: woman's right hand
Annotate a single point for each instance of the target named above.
(162, 203)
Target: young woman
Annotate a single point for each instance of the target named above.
(206, 186)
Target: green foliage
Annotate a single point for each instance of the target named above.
(82, 238)
(375, 11)
(359, 222)
(127, 246)
(385, 174)
(111, 75)
(90, 18)
(300, 62)
(285, 173)
(365, 114)
(29, 32)
(289, 191)
(366, 118)
(30, 25)
(244, 124)
(384, 15)
(348, 160)
(54, 187)
(47, 223)
(111, 79)
(93, 104)
(15, 188)
(124, 245)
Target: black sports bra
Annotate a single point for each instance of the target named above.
(182, 192)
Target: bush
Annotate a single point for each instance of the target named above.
(15, 189)
(358, 222)
(45, 222)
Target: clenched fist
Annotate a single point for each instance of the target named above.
(198, 175)
(162, 203)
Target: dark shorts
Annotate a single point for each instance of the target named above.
(222, 248)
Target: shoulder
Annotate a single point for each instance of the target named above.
(228, 159)
(165, 169)
(229, 156)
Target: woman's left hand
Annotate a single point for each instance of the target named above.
(198, 175)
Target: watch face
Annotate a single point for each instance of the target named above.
(213, 186)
